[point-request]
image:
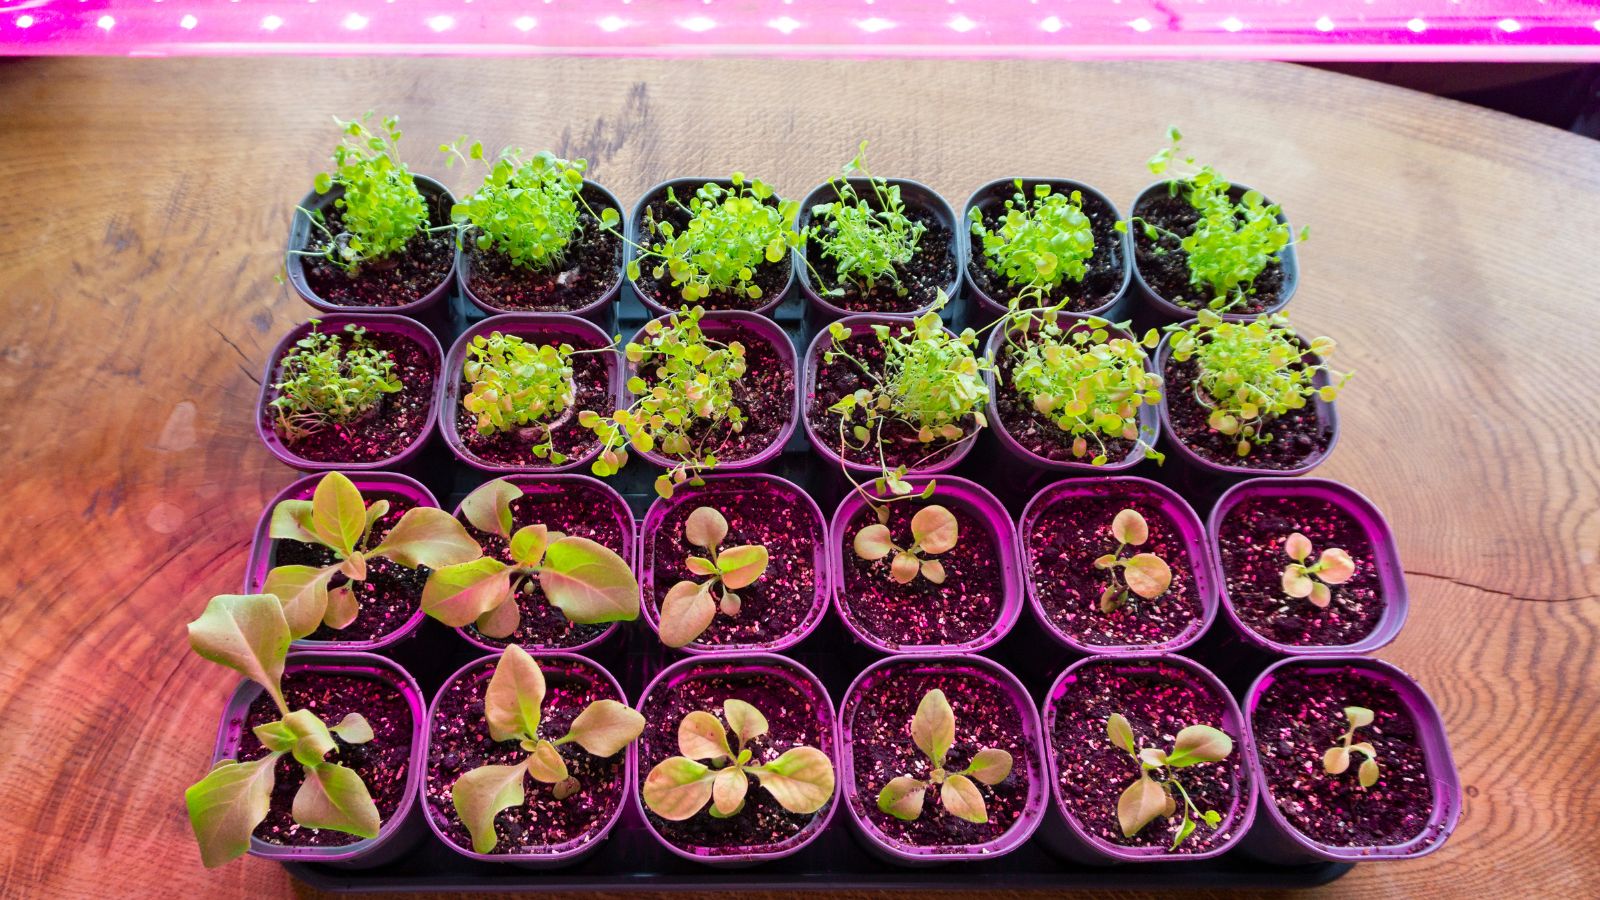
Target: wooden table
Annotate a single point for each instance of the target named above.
(1453, 256)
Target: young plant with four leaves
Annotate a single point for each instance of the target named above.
(934, 530)
(1301, 580)
(1038, 244)
(732, 231)
(933, 730)
(866, 238)
(1337, 760)
(519, 387)
(326, 381)
(1144, 574)
(688, 608)
(1151, 795)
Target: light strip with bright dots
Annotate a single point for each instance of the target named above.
(697, 23)
(355, 21)
(271, 23)
(525, 23)
(612, 23)
(1417, 26)
(1140, 25)
(441, 23)
(187, 23)
(1051, 24)
(784, 24)
(106, 23)
(962, 24)
(1324, 24)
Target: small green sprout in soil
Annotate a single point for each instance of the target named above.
(933, 729)
(513, 707)
(801, 779)
(1038, 243)
(732, 231)
(521, 387)
(1144, 574)
(1337, 760)
(1151, 795)
(1333, 567)
(866, 240)
(688, 608)
(586, 580)
(329, 383)
(933, 531)
(250, 635)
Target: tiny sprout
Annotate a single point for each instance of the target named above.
(801, 779)
(522, 388)
(688, 608)
(1151, 796)
(865, 238)
(512, 706)
(1039, 242)
(933, 730)
(1144, 574)
(329, 383)
(528, 210)
(1334, 566)
(933, 530)
(1337, 760)
(732, 231)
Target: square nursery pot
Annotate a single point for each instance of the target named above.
(771, 403)
(586, 286)
(799, 711)
(414, 286)
(1246, 531)
(572, 504)
(787, 602)
(598, 382)
(980, 598)
(1105, 285)
(1148, 284)
(347, 682)
(992, 709)
(936, 267)
(1030, 437)
(1404, 815)
(820, 392)
(1066, 526)
(542, 833)
(1075, 712)
(392, 435)
(1321, 413)
(661, 298)
(384, 620)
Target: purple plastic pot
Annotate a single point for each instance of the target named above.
(1148, 414)
(541, 328)
(719, 326)
(684, 188)
(1165, 310)
(561, 485)
(333, 323)
(753, 665)
(729, 490)
(1275, 840)
(991, 198)
(917, 197)
(951, 492)
(544, 857)
(1327, 421)
(825, 445)
(1386, 557)
(594, 311)
(1190, 529)
(894, 851)
(439, 200)
(399, 833)
(369, 483)
(1065, 836)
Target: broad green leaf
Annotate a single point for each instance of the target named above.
(353, 729)
(702, 736)
(226, 806)
(308, 738)
(902, 797)
(1368, 773)
(990, 766)
(801, 779)
(376, 511)
(1139, 805)
(728, 788)
(291, 521)
(335, 797)
(705, 527)
(482, 794)
(515, 694)
(546, 765)
(457, 595)
(934, 528)
(246, 633)
(686, 612)
(962, 799)
(934, 727)
(528, 545)
(303, 590)
(605, 727)
(741, 566)
(428, 536)
(1120, 732)
(338, 514)
(1358, 716)
(1336, 761)
(1199, 744)
(1184, 830)
(745, 721)
(677, 788)
(873, 543)
(1148, 575)
(589, 583)
(489, 507)
(1130, 528)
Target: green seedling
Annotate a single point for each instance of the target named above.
(689, 607)
(1151, 795)
(1039, 242)
(527, 209)
(867, 238)
(1337, 760)
(732, 231)
(328, 382)
(933, 730)
(522, 388)
(1301, 580)
(934, 530)
(1143, 574)
(801, 779)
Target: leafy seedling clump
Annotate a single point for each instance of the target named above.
(711, 771)
(1038, 243)
(521, 388)
(869, 240)
(528, 209)
(326, 381)
(1151, 795)
(933, 730)
(731, 233)
(689, 607)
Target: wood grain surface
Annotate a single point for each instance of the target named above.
(1453, 256)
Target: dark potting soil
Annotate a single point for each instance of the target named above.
(921, 613)
(882, 750)
(1297, 435)
(390, 594)
(383, 762)
(1253, 560)
(405, 277)
(930, 270)
(591, 375)
(1168, 273)
(576, 509)
(1037, 432)
(1101, 282)
(759, 513)
(592, 265)
(399, 419)
(1067, 537)
(793, 721)
(1299, 718)
(1159, 700)
(460, 742)
(765, 394)
(841, 377)
(771, 277)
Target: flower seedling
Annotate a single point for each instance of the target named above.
(1337, 760)
(1144, 574)
(732, 231)
(522, 388)
(801, 779)
(512, 706)
(933, 530)
(250, 635)
(527, 209)
(866, 238)
(1151, 795)
(688, 608)
(326, 382)
(1333, 566)
(1038, 242)
(339, 519)
(933, 730)
(586, 580)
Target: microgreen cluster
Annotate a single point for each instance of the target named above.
(1300, 580)
(688, 608)
(1151, 795)
(933, 530)
(865, 238)
(513, 707)
(527, 209)
(933, 730)
(801, 779)
(1039, 242)
(1144, 574)
(1337, 760)
(520, 387)
(732, 231)
(382, 209)
(326, 381)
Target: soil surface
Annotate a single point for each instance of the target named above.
(460, 742)
(1168, 273)
(399, 420)
(1297, 435)
(765, 394)
(592, 265)
(1037, 432)
(771, 277)
(591, 375)
(931, 269)
(1101, 282)
(405, 277)
(1158, 702)
(1299, 718)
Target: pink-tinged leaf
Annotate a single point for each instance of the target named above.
(226, 806)
(605, 727)
(705, 527)
(728, 789)
(482, 794)
(933, 728)
(1147, 575)
(933, 570)
(801, 779)
(962, 799)
(741, 566)
(489, 507)
(873, 543)
(291, 521)
(303, 590)
(686, 612)
(1296, 583)
(904, 568)
(589, 582)
(677, 788)
(501, 620)
(701, 735)
(1139, 805)
(1120, 732)
(338, 514)
(1298, 546)
(248, 634)
(336, 798)
(545, 764)
(458, 595)
(903, 797)
(428, 536)
(745, 721)
(1130, 528)
(1199, 744)
(514, 697)
(342, 608)
(990, 766)
(1320, 595)
(934, 528)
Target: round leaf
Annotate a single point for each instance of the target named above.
(990, 766)
(872, 542)
(1147, 575)
(933, 570)
(1320, 595)
(1368, 773)
(1198, 744)
(677, 788)
(1336, 760)
(705, 527)
(902, 797)
(528, 545)
(728, 788)
(501, 620)
(588, 582)
(701, 735)
(1358, 716)
(1130, 528)
(1298, 546)
(934, 528)
(1295, 582)
(905, 567)
(741, 566)
(1337, 566)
